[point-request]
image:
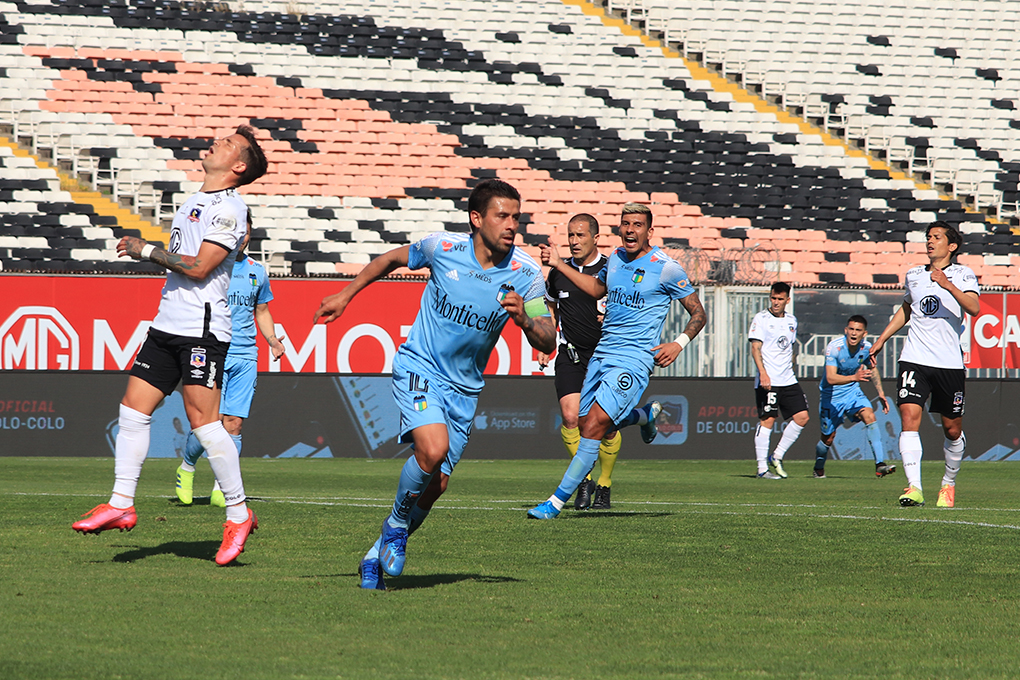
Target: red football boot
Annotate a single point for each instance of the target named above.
(234, 536)
(105, 516)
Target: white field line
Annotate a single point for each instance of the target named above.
(690, 508)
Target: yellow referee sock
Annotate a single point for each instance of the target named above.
(571, 438)
(609, 449)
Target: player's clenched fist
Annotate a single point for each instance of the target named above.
(549, 255)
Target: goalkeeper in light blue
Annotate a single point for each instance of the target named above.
(479, 281)
(639, 284)
(848, 364)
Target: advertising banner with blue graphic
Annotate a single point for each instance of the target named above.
(61, 413)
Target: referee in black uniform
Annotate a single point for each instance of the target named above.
(579, 318)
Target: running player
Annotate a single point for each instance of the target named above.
(188, 339)
(639, 284)
(579, 318)
(437, 373)
(931, 364)
(773, 337)
(847, 361)
(248, 297)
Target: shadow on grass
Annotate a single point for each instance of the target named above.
(570, 513)
(199, 550)
(198, 500)
(598, 514)
(406, 582)
(204, 500)
(433, 580)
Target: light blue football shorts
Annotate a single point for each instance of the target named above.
(831, 412)
(616, 386)
(425, 399)
(240, 376)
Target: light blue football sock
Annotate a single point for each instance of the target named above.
(373, 552)
(875, 439)
(192, 450)
(580, 465)
(237, 442)
(417, 518)
(821, 453)
(413, 480)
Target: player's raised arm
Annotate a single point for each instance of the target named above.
(197, 267)
(968, 299)
(333, 306)
(543, 357)
(534, 319)
(589, 285)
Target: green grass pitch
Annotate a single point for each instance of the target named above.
(699, 571)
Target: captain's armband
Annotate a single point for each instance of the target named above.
(536, 307)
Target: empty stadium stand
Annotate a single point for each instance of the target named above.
(377, 119)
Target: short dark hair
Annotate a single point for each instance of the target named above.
(593, 224)
(952, 235)
(254, 158)
(638, 209)
(781, 287)
(488, 189)
(857, 318)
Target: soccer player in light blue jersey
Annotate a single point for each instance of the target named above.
(639, 283)
(248, 297)
(847, 365)
(478, 282)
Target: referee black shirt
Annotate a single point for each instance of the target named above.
(578, 312)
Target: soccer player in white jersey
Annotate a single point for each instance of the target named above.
(931, 364)
(478, 282)
(187, 342)
(639, 283)
(249, 296)
(773, 337)
(847, 365)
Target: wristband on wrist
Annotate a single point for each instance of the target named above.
(683, 340)
(147, 251)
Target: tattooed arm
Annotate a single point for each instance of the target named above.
(667, 352)
(195, 267)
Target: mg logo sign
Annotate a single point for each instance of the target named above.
(38, 338)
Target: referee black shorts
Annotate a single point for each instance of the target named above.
(569, 373)
(165, 360)
(945, 386)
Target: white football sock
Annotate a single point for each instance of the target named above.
(557, 503)
(131, 448)
(953, 449)
(224, 461)
(761, 447)
(238, 514)
(187, 467)
(910, 451)
(790, 435)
